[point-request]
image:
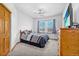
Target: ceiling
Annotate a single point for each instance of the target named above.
(50, 9)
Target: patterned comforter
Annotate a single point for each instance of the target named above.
(32, 37)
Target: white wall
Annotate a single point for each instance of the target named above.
(25, 22)
(19, 21)
(58, 19)
(75, 12)
(14, 24)
(77, 16)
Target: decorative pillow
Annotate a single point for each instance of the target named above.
(25, 34)
(27, 31)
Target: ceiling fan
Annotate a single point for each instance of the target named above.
(40, 11)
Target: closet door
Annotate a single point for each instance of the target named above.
(7, 32)
(2, 37)
(4, 30)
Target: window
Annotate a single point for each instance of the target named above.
(45, 26)
(42, 26)
(49, 27)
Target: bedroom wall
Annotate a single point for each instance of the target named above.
(77, 15)
(25, 22)
(75, 12)
(14, 24)
(19, 21)
(58, 19)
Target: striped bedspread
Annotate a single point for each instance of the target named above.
(39, 39)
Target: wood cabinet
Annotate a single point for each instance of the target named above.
(69, 42)
(4, 30)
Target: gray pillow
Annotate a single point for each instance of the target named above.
(27, 33)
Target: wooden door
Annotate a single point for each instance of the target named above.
(7, 32)
(1, 30)
(1, 19)
(4, 30)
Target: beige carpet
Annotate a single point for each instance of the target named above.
(23, 49)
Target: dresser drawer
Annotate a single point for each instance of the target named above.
(70, 52)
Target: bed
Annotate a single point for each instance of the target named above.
(35, 39)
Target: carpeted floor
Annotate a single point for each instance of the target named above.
(23, 49)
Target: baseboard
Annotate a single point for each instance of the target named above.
(13, 47)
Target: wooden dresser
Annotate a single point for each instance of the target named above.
(69, 42)
(4, 30)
